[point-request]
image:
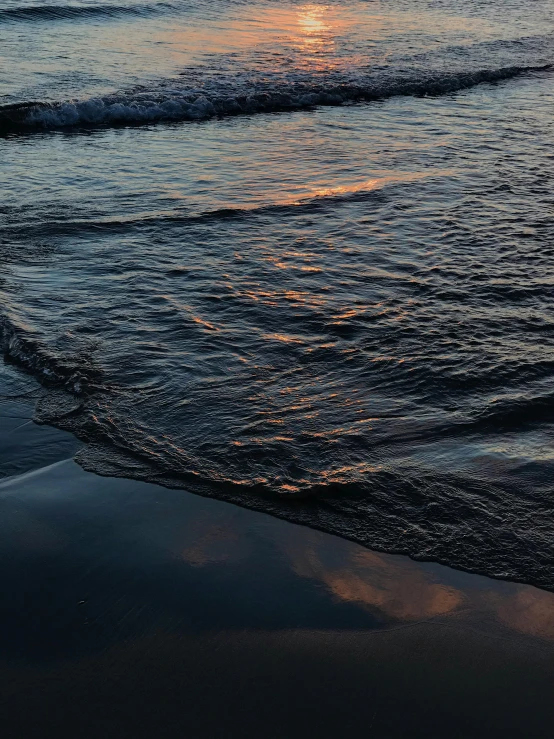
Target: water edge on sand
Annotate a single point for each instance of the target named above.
(133, 610)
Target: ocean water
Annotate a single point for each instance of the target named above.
(295, 256)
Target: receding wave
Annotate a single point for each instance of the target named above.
(183, 104)
(67, 369)
(39, 13)
(382, 506)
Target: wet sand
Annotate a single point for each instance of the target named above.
(131, 610)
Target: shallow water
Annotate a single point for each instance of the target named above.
(175, 604)
(294, 256)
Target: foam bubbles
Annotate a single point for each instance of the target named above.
(237, 95)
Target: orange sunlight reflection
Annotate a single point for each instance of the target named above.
(315, 26)
(311, 21)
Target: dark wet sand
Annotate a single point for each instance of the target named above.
(130, 610)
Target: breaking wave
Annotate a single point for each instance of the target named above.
(78, 12)
(181, 103)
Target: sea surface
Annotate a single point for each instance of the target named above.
(298, 256)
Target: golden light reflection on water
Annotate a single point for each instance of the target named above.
(309, 31)
(317, 26)
(311, 19)
(266, 38)
(313, 32)
(289, 194)
(312, 191)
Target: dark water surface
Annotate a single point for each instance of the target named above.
(296, 256)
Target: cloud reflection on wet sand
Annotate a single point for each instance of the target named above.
(395, 589)
(399, 589)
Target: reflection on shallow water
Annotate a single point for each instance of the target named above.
(393, 589)
(124, 601)
(313, 22)
(323, 190)
(396, 588)
(318, 26)
(528, 611)
(206, 543)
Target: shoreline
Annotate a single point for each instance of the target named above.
(310, 511)
(131, 609)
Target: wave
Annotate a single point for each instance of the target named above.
(518, 412)
(372, 190)
(71, 370)
(459, 519)
(73, 12)
(186, 104)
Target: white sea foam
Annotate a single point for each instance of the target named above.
(239, 95)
